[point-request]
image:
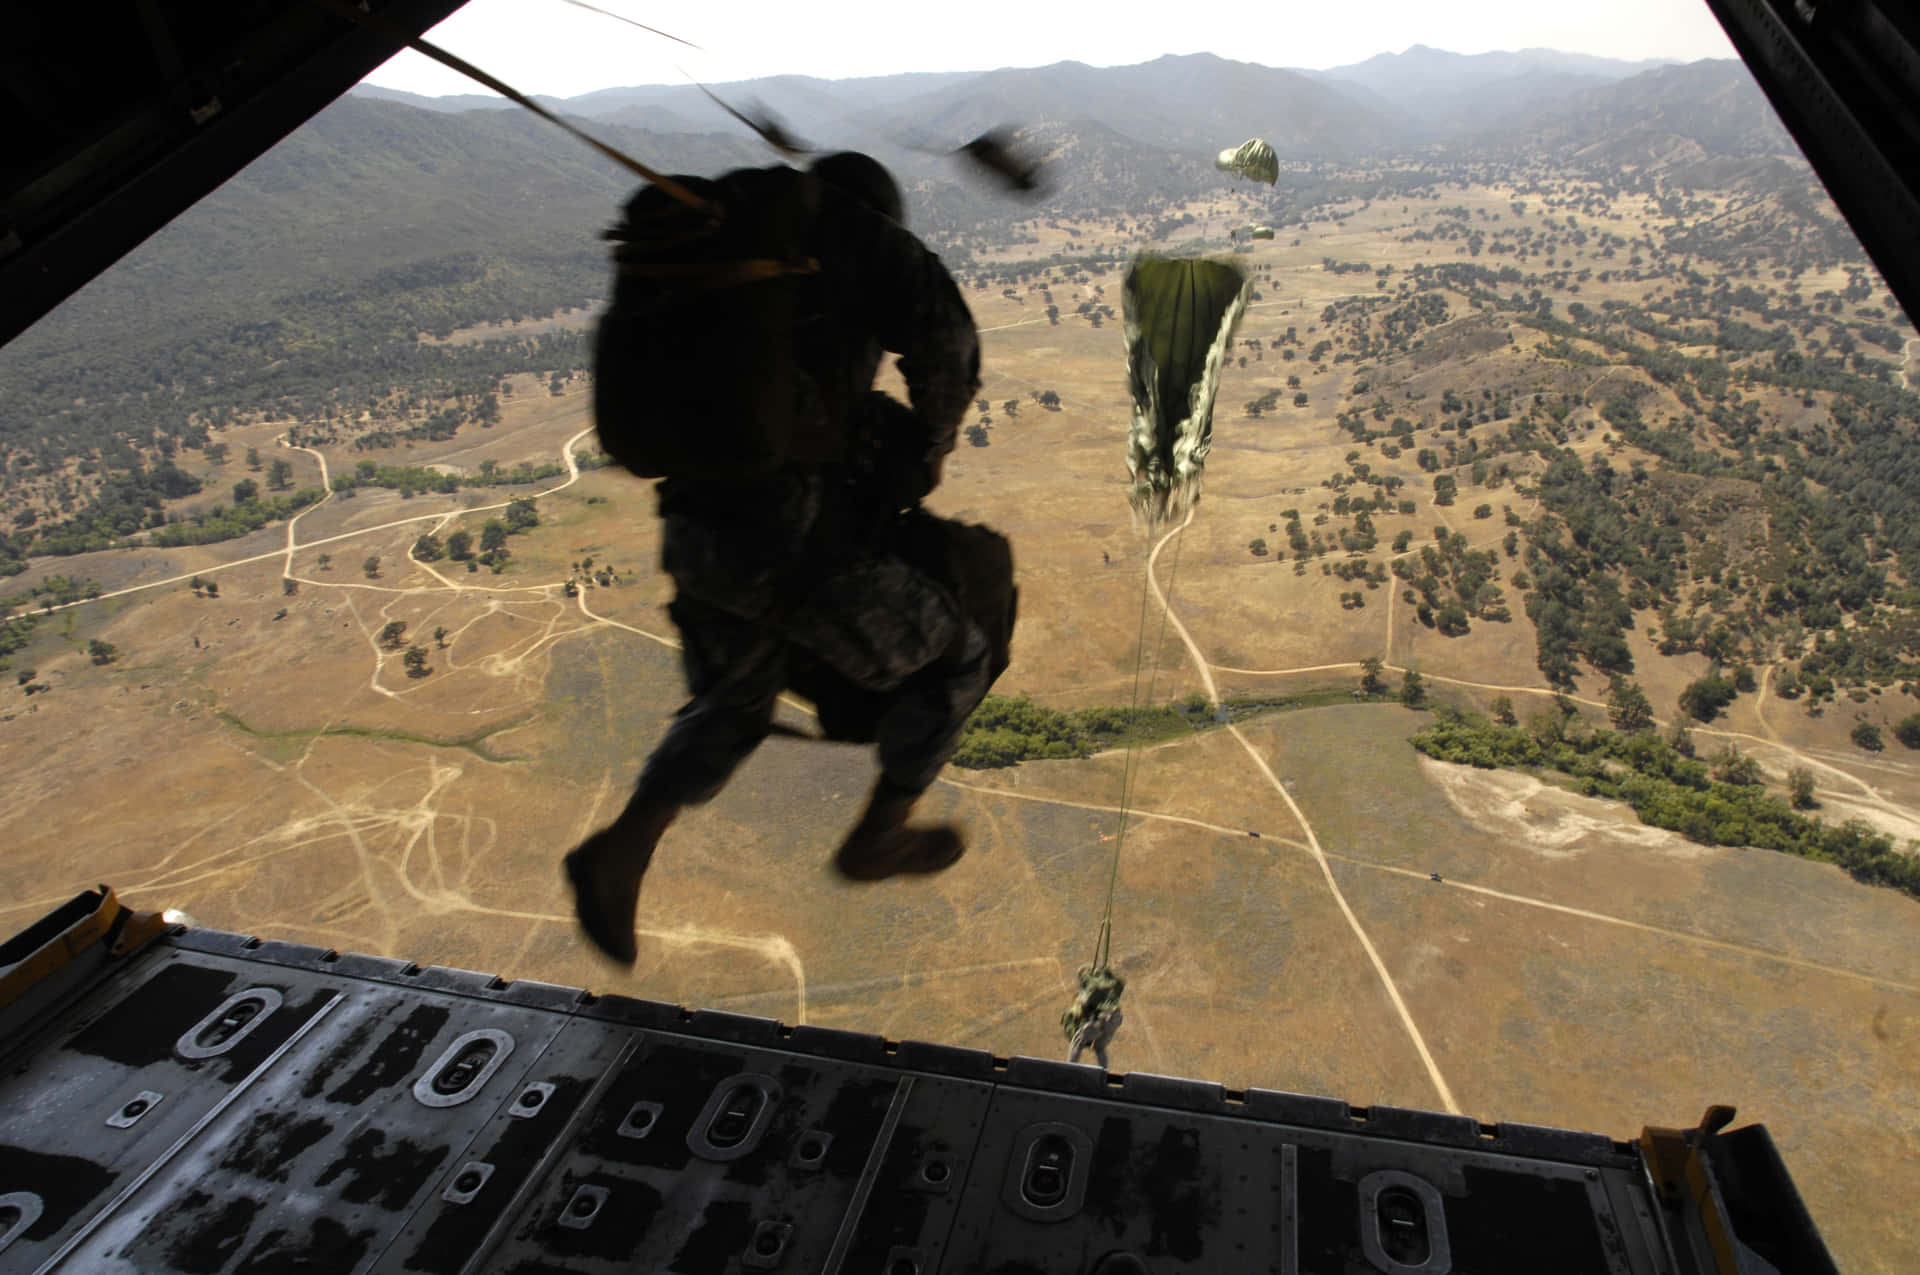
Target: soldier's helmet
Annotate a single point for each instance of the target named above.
(865, 178)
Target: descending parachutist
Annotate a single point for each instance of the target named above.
(1094, 1017)
(1252, 159)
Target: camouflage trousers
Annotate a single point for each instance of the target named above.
(883, 645)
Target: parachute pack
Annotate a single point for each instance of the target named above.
(974, 563)
(694, 372)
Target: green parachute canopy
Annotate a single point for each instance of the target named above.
(1180, 316)
(1252, 159)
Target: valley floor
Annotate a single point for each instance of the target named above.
(261, 760)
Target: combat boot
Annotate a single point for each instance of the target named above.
(606, 871)
(881, 845)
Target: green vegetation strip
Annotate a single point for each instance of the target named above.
(1668, 789)
(473, 743)
(230, 523)
(1005, 731)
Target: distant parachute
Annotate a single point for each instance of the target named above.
(1180, 316)
(1252, 159)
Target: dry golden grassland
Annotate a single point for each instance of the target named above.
(283, 775)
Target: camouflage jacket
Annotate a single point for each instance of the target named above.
(879, 289)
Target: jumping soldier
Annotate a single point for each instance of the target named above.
(823, 574)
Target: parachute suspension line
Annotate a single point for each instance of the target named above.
(621, 17)
(1103, 945)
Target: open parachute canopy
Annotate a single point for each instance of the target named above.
(1252, 159)
(1180, 317)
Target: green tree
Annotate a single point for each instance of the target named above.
(460, 545)
(521, 515)
(1628, 707)
(371, 566)
(1800, 784)
(101, 652)
(1503, 711)
(428, 548)
(416, 661)
(325, 562)
(1866, 735)
(394, 634)
(440, 636)
(1705, 697)
(253, 459)
(1413, 689)
(1257, 547)
(244, 490)
(1730, 766)
(279, 475)
(1907, 730)
(493, 536)
(1370, 680)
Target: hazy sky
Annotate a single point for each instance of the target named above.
(549, 46)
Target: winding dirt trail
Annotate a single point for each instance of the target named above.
(294, 545)
(1387, 984)
(419, 879)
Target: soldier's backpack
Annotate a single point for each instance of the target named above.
(975, 563)
(694, 372)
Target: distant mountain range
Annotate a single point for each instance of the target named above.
(373, 185)
(1700, 111)
(1197, 103)
(385, 217)
(1433, 94)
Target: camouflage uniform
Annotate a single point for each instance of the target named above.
(1094, 1017)
(812, 569)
